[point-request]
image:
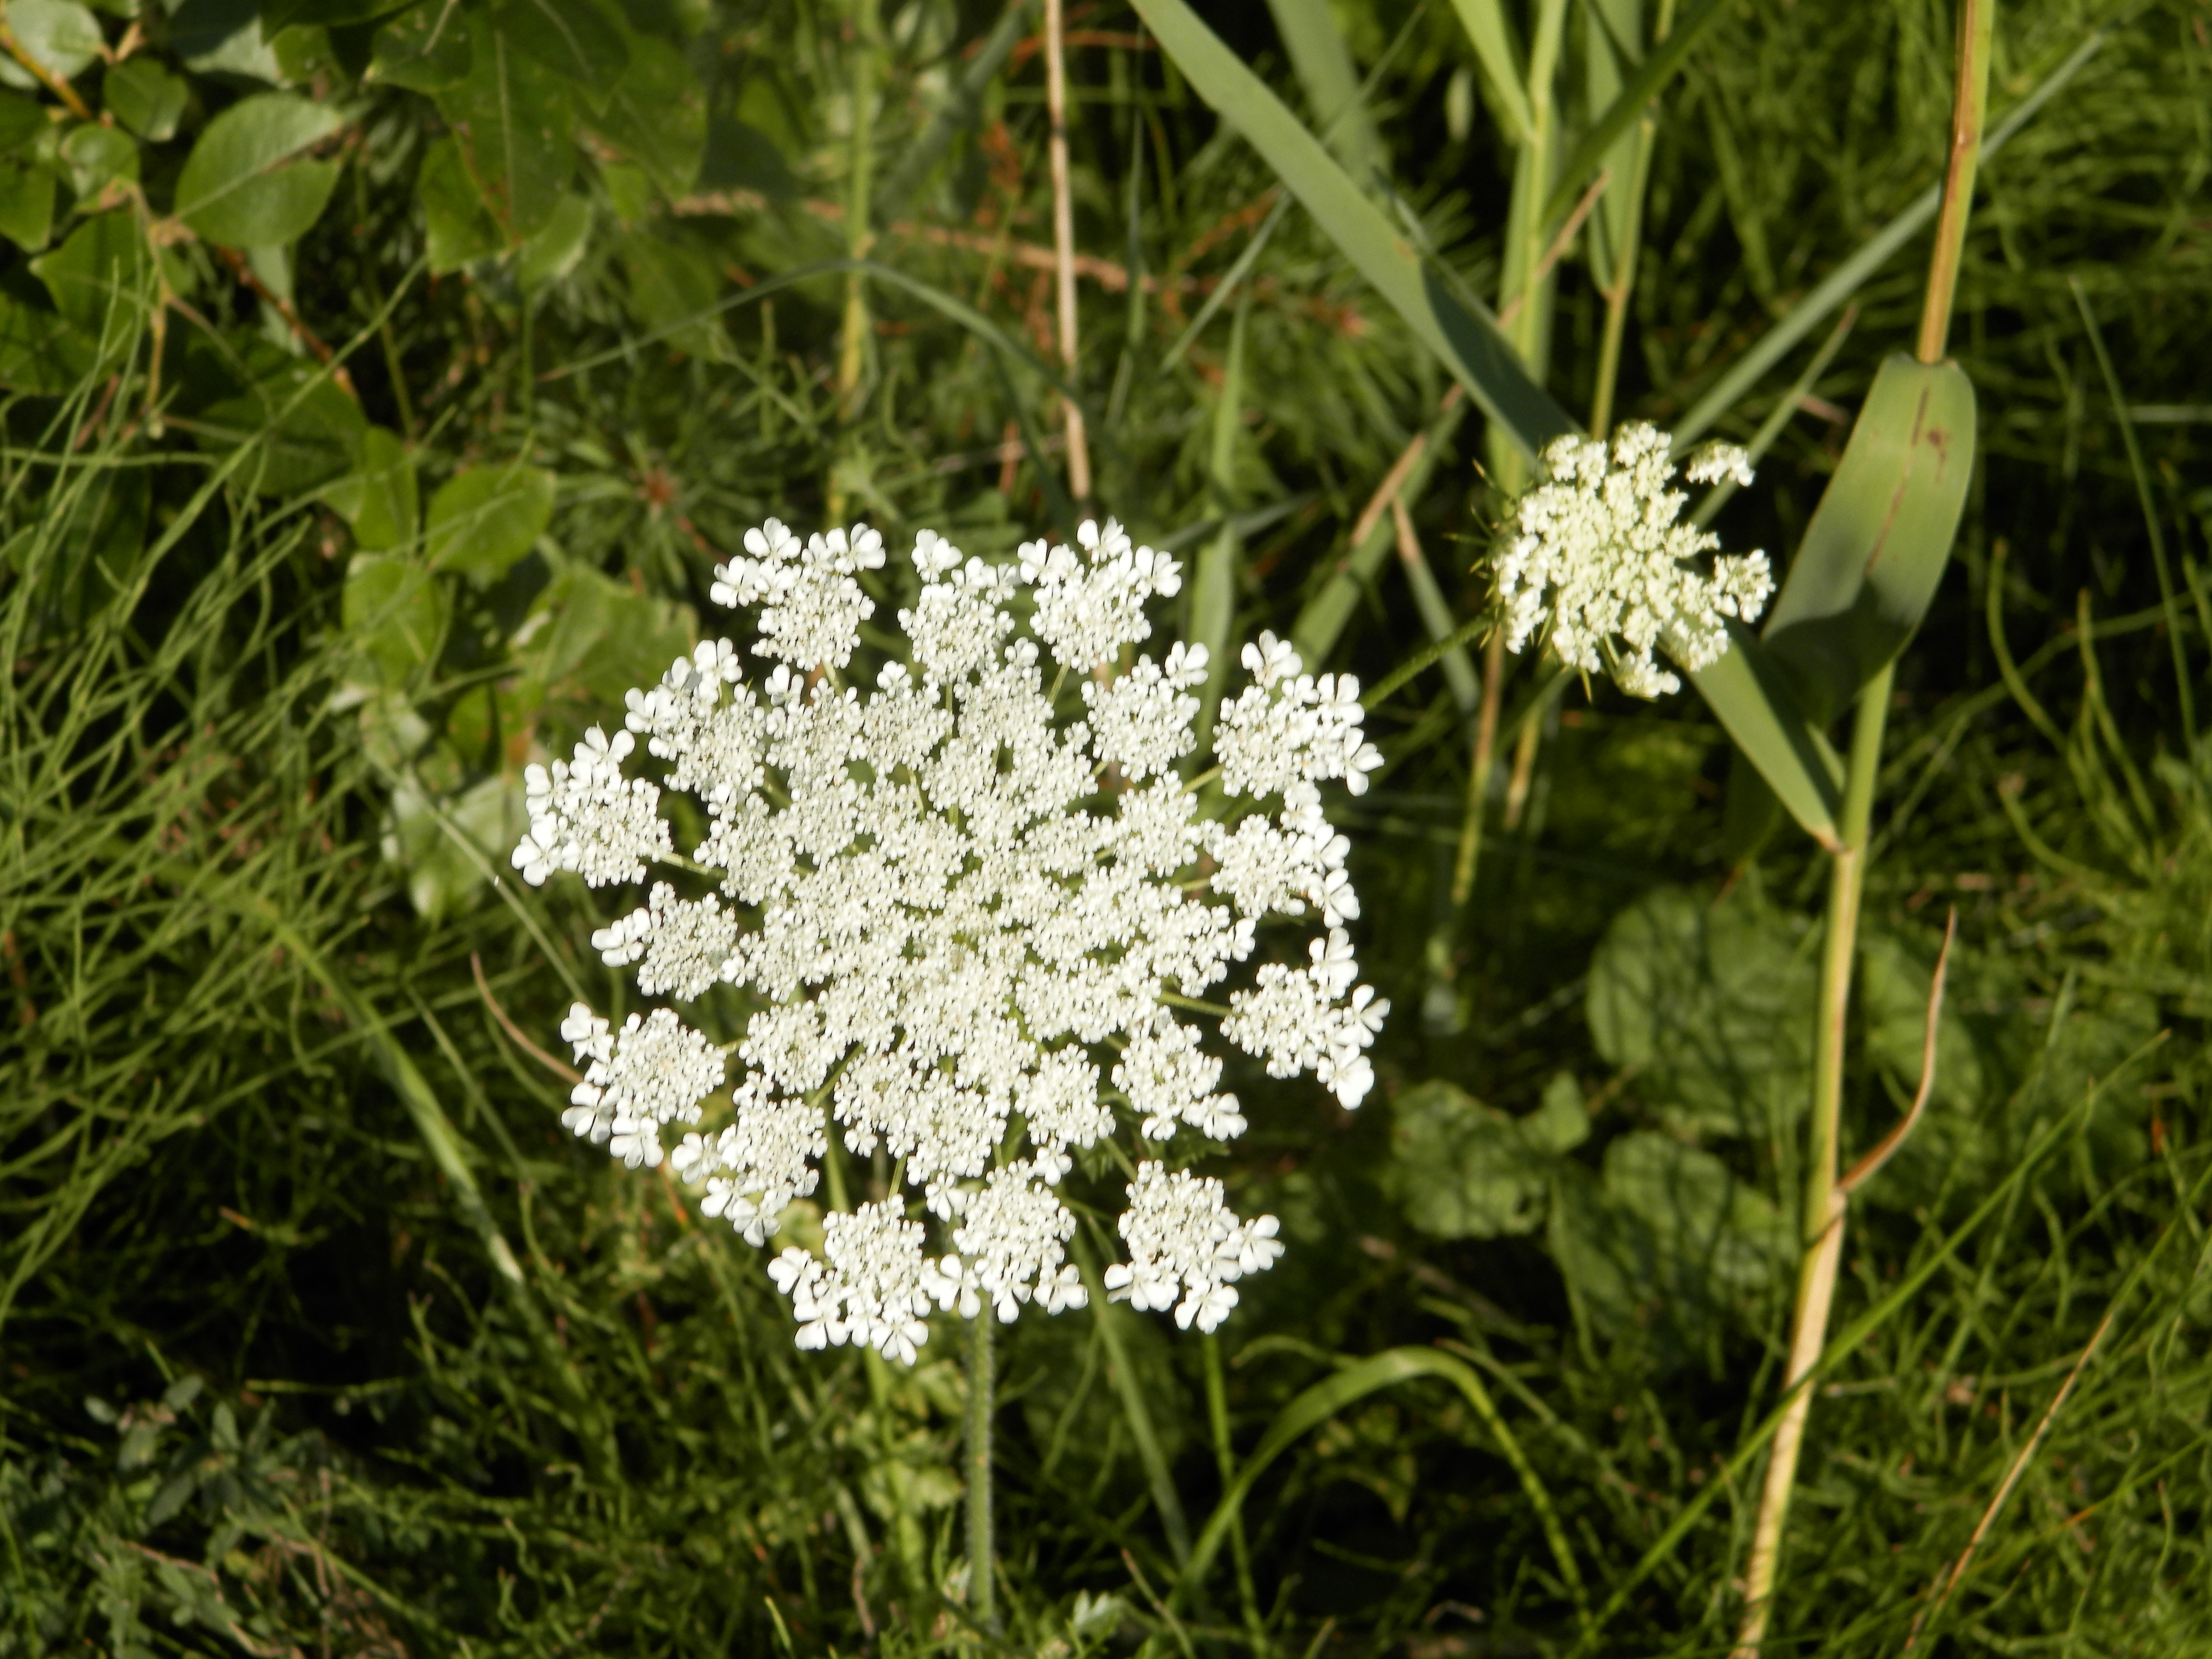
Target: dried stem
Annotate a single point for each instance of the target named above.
(1063, 242)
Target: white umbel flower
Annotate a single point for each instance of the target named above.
(1597, 564)
(1186, 1248)
(959, 948)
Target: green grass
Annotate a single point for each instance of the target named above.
(262, 1386)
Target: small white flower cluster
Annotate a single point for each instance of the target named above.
(1598, 563)
(968, 928)
(1185, 1243)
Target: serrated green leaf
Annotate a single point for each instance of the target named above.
(515, 126)
(423, 49)
(484, 520)
(455, 220)
(1462, 1169)
(573, 38)
(145, 98)
(1877, 545)
(656, 114)
(62, 36)
(1464, 337)
(248, 182)
(394, 613)
(1712, 1004)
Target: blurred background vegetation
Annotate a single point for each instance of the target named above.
(381, 383)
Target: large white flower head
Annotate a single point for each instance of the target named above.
(974, 914)
(1596, 561)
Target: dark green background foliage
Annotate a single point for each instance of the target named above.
(381, 383)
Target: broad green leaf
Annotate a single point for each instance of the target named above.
(378, 499)
(1874, 552)
(1748, 695)
(553, 252)
(484, 520)
(673, 290)
(1503, 78)
(98, 275)
(145, 98)
(1462, 1169)
(394, 613)
(1667, 1242)
(591, 638)
(573, 38)
(26, 203)
(515, 126)
(423, 49)
(305, 430)
(63, 38)
(223, 37)
(656, 114)
(22, 121)
(247, 182)
(1464, 337)
(1331, 81)
(1650, 78)
(1713, 1004)
(329, 13)
(40, 351)
(441, 877)
(458, 226)
(95, 157)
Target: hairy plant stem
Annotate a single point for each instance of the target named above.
(1822, 1225)
(982, 1598)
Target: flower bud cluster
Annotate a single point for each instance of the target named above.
(1598, 566)
(968, 931)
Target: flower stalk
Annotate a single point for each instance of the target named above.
(982, 1587)
(1822, 1229)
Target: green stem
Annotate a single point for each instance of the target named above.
(1822, 1222)
(860, 234)
(1225, 1458)
(982, 1599)
(1970, 106)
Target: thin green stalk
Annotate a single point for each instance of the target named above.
(860, 232)
(1821, 1225)
(1224, 1459)
(982, 1598)
(2165, 593)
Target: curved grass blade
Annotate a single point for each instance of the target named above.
(1325, 1399)
(1503, 78)
(1331, 81)
(1465, 337)
(1657, 68)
